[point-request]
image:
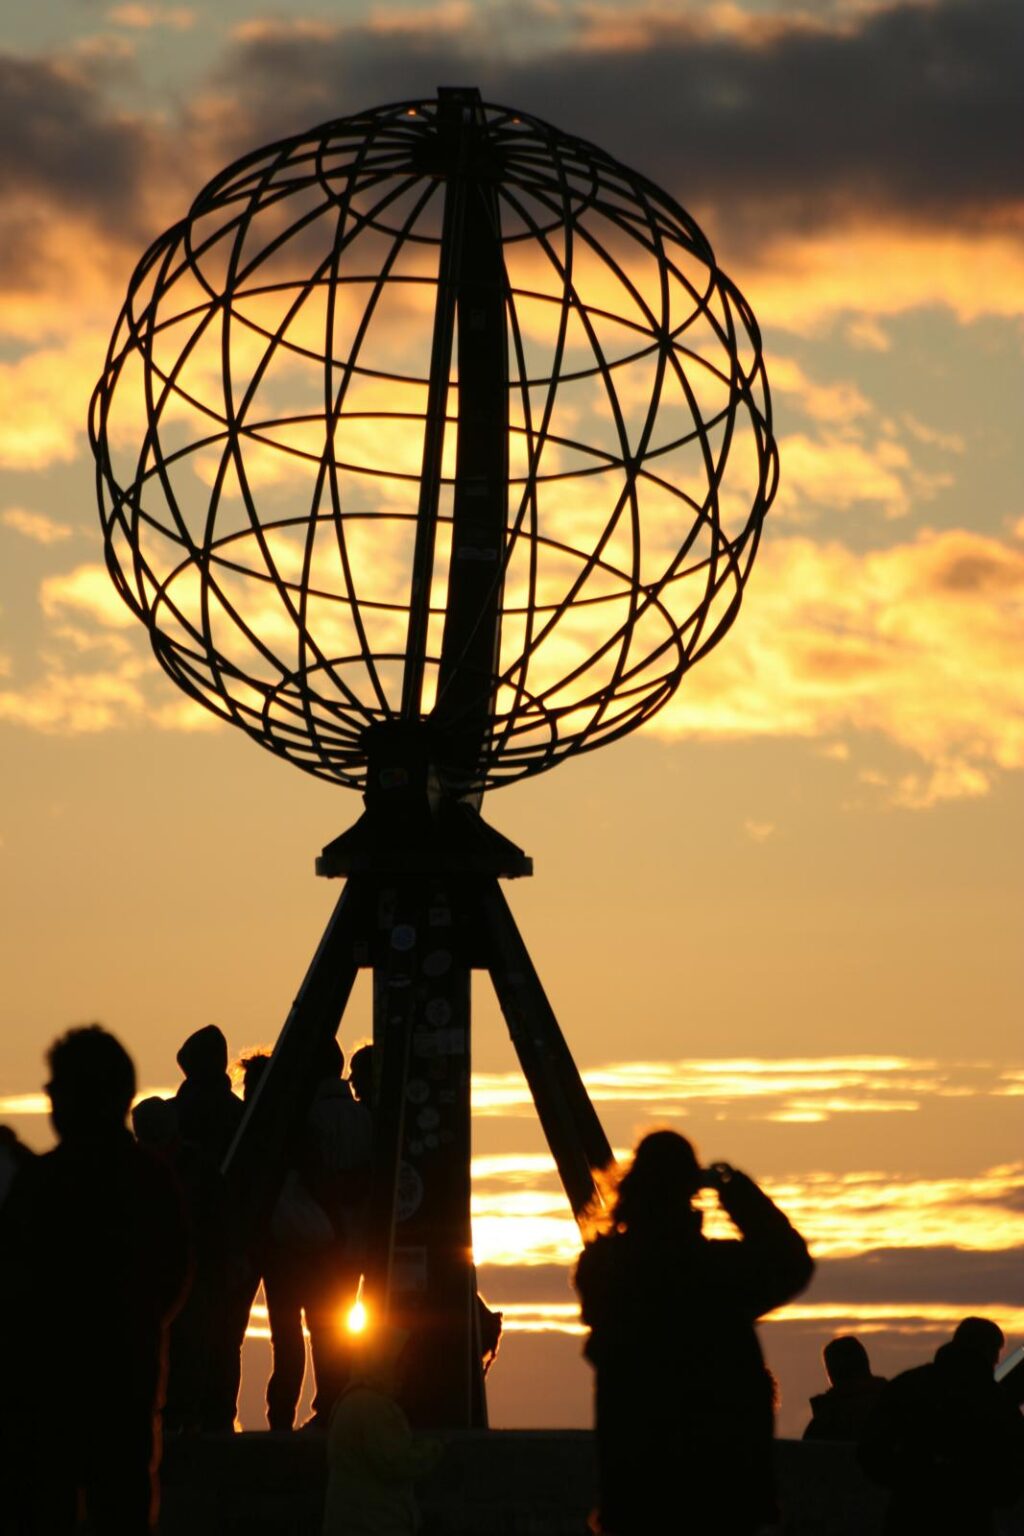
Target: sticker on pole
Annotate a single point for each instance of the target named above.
(409, 1193)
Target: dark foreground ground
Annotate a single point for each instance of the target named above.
(501, 1483)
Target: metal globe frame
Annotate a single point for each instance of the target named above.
(260, 327)
(427, 571)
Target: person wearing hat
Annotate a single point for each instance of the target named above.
(853, 1392)
(684, 1404)
(209, 1113)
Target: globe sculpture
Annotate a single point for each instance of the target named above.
(433, 447)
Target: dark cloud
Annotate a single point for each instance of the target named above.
(60, 144)
(952, 1276)
(525, 1282)
(917, 112)
(976, 573)
(956, 1277)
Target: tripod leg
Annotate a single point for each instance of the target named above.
(256, 1160)
(573, 1131)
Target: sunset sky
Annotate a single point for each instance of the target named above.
(785, 917)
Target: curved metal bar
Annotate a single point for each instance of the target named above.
(275, 433)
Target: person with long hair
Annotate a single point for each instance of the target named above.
(684, 1403)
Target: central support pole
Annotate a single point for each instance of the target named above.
(421, 1198)
(469, 319)
(464, 707)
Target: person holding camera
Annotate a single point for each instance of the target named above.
(684, 1403)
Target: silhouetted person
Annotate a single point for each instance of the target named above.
(490, 1326)
(94, 1263)
(334, 1163)
(360, 1075)
(278, 1258)
(13, 1156)
(196, 1343)
(684, 1413)
(842, 1412)
(209, 1114)
(947, 1441)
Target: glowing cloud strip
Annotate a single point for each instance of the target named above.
(784, 1089)
(520, 1217)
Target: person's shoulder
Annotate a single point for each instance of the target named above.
(31, 1179)
(914, 1373)
(599, 1255)
(48, 1170)
(152, 1173)
(918, 1380)
(601, 1247)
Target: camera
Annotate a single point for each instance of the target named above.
(715, 1176)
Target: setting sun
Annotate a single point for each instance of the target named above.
(355, 1317)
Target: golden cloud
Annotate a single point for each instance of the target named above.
(79, 703)
(525, 1221)
(520, 1215)
(804, 282)
(43, 401)
(778, 1089)
(179, 18)
(920, 642)
(85, 616)
(839, 472)
(837, 403)
(82, 703)
(36, 526)
(87, 591)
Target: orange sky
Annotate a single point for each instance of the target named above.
(787, 916)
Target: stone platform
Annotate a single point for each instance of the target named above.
(496, 1483)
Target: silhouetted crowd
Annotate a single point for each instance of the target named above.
(685, 1405)
(126, 1289)
(947, 1438)
(126, 1286)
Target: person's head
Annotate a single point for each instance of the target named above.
(204, 1054)
(155, 1123)
(846, 1359)
(661, 1182)
(981, 1337)
(360, 1074)
(330, 1059)
(253, 1067)
(92, 1083)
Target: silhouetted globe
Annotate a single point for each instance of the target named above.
(260, 432)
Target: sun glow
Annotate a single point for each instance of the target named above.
(356, 1317)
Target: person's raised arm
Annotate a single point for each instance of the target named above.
(772, 1264)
